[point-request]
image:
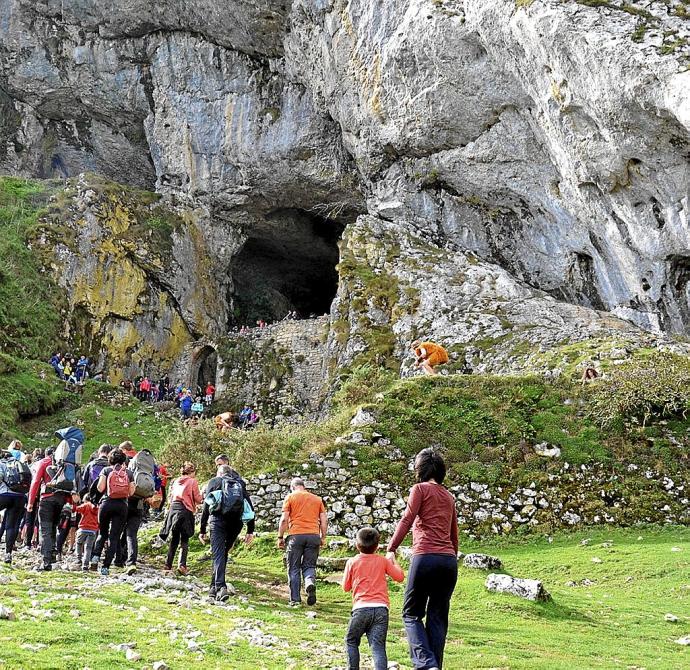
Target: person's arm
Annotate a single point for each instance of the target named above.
(102, 483)
(196, 494)
(251, 525)
(283, 524)
(454, 531)
(36, 484)
(347, 577)
(204, 521)
(323, 522)
(394, 571)
(414, 503)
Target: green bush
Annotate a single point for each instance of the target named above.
(643, 389)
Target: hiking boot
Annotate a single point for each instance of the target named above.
(295, 603)
(222, 595)
(183, 570)
(8, 559)
(105, 571)
(93, 567)
(212, 593)
(311, 594)
(44, 568)
(130, 569)
(84, 568)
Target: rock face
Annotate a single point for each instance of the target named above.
(511, 168)
(140, 277)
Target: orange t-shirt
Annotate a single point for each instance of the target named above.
(365, 576)
(303, 510)
(432, 349)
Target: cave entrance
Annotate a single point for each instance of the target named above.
(204, 369)
(288, 264)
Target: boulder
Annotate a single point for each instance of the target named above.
(331, 563)
(362, 418)
(544, 449)
(530, 589)
(482, 562)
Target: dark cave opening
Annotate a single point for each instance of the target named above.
(288, 264)
(204, 369)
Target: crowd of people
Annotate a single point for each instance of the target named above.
(92, 514)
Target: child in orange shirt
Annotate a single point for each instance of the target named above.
(365, 576)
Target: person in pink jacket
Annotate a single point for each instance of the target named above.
(185, 496)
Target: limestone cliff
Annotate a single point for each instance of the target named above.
(523, 162)
(141, 279)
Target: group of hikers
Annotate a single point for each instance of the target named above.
(96, 511)
(54, 503)
(147, 389)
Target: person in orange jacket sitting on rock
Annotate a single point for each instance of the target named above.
(428, 356)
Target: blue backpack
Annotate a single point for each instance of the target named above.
(67, 458)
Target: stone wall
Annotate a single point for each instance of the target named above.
(279, 369)
(586, 495)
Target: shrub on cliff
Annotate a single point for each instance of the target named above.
(642, 389)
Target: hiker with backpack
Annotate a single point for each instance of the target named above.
(228, 505)
(94, 468)
(116, 482)
(185, 497)
(31, 517)
(143, 468)
(57, 478)
(15, 481)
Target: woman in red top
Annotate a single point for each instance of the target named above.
(184, 499)
(431, 515)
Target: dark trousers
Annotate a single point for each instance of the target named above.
(111, 519)
(129, 540)
(430, 585)
(372, 621)
(31, 525)
(224, 532)
(177, 539)
(302, 554)
(14, 511)
(49, 510)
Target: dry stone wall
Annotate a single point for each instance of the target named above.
(279, 368)
(572, 497)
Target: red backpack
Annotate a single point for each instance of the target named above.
(118, 483)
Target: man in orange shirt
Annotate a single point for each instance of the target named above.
(429, 355)
(304, 518)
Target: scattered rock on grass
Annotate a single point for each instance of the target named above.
(160, 665)
(362, 418)
(482, 562)
(685, 640)
(530, 589)
(132, 655)
(7, 613)
(671, 618)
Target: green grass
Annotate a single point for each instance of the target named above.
(30, 303)
(618, 622)
(106, 415)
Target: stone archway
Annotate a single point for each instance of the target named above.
(204, 368)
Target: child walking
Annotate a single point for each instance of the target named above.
(87, 531)
(365, 576)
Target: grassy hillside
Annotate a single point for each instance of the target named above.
(485, 426)
(616, 620)
(30, 305)
(32, 408)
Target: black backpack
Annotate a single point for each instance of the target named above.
(232, 496)
(15, 475)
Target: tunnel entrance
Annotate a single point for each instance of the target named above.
(204, 369)
(288, 264)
